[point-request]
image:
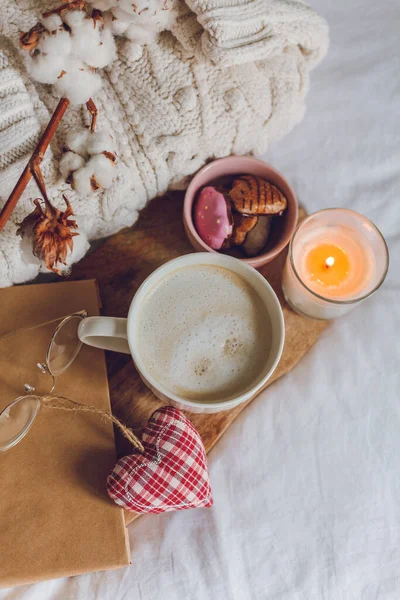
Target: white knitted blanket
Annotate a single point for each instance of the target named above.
(229, 78)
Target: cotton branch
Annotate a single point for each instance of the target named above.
(34, 162)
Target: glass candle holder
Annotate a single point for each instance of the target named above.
(337, 258)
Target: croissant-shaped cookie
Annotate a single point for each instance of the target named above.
(254, 196)
(241, 227)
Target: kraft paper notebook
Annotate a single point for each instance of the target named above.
(55, 516)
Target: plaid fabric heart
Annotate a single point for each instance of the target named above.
(172, 472)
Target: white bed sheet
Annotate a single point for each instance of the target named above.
(306, 482)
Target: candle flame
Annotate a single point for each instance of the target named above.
(330, 261)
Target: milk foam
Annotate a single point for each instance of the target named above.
(204, 333)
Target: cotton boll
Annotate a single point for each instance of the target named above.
(26, 233)
(156, 15)
(85, 40)
(96, 48)
(46, 63)
(70, 162)
(133, 26)
(81, 182)
(133, 8)
(144, 8)
(107, 52)
(92, 43)
(102, 169)
(52, 23)
(26, 247)
(99, 142)
(78, 83)
(98, 172)
(74, 18)
(166, 19)
(146, 19)
(162, 20)
(77, 141)
(45, 68)
(123, 16)
(58, 44)
(118, 27)
(147, 5)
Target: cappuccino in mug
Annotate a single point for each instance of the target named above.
(204, 333)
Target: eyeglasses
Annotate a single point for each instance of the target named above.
(17, 418)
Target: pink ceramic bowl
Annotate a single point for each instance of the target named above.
(221, 172)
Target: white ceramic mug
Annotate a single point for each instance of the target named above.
(119, 334)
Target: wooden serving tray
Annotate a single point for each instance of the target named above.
(121, 264)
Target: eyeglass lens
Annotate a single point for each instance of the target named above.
(16, 420)
(64, 345)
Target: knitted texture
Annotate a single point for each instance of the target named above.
(229, 78)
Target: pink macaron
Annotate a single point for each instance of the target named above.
(212, 217)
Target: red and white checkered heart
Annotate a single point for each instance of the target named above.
(172, 472)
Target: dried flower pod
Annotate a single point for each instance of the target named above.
(253, 195)
(242, 224)
(51, 231)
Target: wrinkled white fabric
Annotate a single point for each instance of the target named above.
(306, 480)
(171, 105)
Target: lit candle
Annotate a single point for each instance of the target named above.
(336, 259)
(328, 266)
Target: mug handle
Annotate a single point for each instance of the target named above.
(108, 333)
